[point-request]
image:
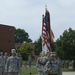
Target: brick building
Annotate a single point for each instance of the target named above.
(7, 40)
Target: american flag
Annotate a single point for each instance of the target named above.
(47, 33)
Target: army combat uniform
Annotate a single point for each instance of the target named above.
(12, 66)
(41, 65)
(53, 66)
(5, 57)
(20, 61)
(2, 64)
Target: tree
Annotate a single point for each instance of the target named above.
(21, 36)
(38, 46)
(59, 50)
(66, 44)
(53, 46)
(26, 49)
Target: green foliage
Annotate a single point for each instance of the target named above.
(38, 46)
(68, 70)
(26, 49)
(66, 44)
(26, 62)
(53, 46)
(59, 49)
(21, 36)
(26, 71)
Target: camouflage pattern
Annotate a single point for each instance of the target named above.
(20, 61)
(60, 65)
(53, 67)
(41, 65)
(30, 60)
(5, 57)
(2, 64)
(12, 66)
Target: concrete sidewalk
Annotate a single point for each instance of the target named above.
(66, 73)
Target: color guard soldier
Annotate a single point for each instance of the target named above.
(41, 61)
(53, 67)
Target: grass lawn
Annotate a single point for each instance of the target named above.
(26, 71)
(68, 70)
(33, 70)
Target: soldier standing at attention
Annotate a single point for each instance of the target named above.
(30, 60)
(20, 61)
(5, 57)
(2, 64)
(12, 66)
(41, 61)
(53, 67)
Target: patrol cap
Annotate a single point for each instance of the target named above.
(13, 50)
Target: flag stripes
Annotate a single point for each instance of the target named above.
(47, 33)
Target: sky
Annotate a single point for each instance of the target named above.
(27, 15)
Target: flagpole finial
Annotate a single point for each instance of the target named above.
(46, 7)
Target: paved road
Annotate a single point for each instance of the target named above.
(68, 73)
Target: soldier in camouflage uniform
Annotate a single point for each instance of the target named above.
(53, 67)
(2, 64)
(20, 61)
(41, 61)
(5, 57)
(30, 60)
(12, 66)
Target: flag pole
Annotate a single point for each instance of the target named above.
(45, 7)
(49, 24)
